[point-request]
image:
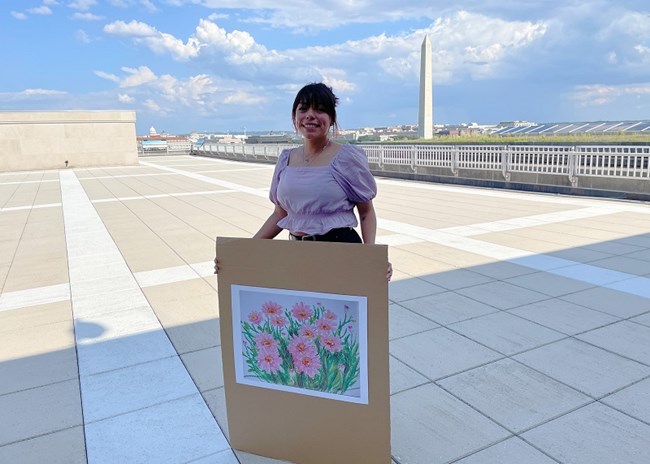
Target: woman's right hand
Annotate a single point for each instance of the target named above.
(216, 265)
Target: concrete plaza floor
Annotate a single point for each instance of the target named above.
(519, 322)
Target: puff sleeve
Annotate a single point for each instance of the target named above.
(350, 170)
(283, 161)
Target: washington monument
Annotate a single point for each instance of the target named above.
(425, 119)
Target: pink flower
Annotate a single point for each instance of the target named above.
(255, 317)
(324, 326)
(308, 364)
(301, 311)
(265, 342)
(330, 316)
(308, 331)
(331, 343)
(300, 346)
(271, 307)
(269, 361)
(278, 320)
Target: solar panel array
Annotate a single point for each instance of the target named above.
(568, 128)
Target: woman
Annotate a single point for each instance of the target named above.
(316, 186)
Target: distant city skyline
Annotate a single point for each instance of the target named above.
(219, 66)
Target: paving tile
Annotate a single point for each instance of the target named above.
(38, 370)
(223, 457)
(506, 333)
(136, 387)
(123, 352)
(430, 426)
(403, 322)
(216, 401)
(627, 264)
(103, 327)
(510, 451)
(35, 316)
(501, 270)
(595, 434)
(105, 303)
(64, 447)
(248, 458)
(633, 400)
(502, 295)
(639, 286)
(448, 307)
(610, 301)
(39, 411)
(147, 435)
(458, 278)
(31, 341)
(205, 367)
(514, 395)
(642, 319)
(625, 338)
(408, 289)
(549, 284)
(34, 297)
(580, 254)
(440, 352)
(563, 316)
(403, 377)
(584, 367)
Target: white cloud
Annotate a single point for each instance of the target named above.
(18, 15)
(242, 97)
(87, 17)
(50, 2)
(82, 36)
(137, 76)
(336, 78)
(41, 92)
(133, 29)
(599, 95)
(82, 5)
(157, 41)
(147, 4)
(154, 107)
(107, 76)
(40, 10)
(236, 47)
(33, 94)
(124, 98)
(216, 16)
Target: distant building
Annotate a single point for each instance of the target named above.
(162, 143)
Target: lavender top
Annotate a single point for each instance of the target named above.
(320, 198)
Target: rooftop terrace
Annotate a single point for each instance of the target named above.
(519, 322)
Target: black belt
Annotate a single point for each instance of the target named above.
(326, 237)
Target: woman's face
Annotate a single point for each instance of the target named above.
(312, 122)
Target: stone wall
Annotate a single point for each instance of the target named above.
(47, 139)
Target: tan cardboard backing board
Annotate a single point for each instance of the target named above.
(293, 426)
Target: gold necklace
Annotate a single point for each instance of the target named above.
(306, 160)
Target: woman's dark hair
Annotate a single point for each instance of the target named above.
(316, 95)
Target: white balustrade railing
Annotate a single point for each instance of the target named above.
(610, 161)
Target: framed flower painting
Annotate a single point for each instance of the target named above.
(302, 342)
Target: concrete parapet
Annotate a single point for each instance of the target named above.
(47, 139)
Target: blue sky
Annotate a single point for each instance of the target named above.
(226, 65)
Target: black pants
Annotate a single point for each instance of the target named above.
(344, 234)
